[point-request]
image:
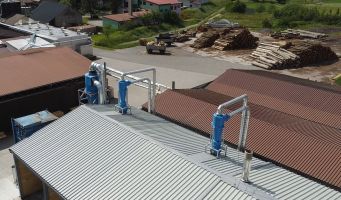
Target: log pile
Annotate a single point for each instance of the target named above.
(292, 55)
(189, 33)
(312, 52)
(235, 39)
(269, 56)
(206, 40)
(181, 38)
(184, 35)
(297, 34)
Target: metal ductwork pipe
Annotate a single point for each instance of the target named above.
(100, 91)
(218, 124)
(101, 69)
(153, 86)
(123, 94)
(247, 166)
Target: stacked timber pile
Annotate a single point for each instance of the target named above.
(189, 33)
(235, 39)
(291, 55)
(184, 35)
(181, 38)
(206, 40)
(297, 34)
(270, 56)
(312, 52)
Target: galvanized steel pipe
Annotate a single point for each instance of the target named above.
(244, 119)
(101, 69)
(152, 83)
(247, 166)
(100, 91)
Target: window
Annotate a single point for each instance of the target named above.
(144, 3)
(161, 10)
(150, 4)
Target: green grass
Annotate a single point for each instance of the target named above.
(338, 81)
(119, 39)
(85, 20)
(215, 10)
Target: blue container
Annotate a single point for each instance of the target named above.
(24, 127)
(90, 89)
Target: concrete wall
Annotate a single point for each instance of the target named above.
(108, 22)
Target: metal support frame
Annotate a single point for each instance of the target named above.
(151, 84)
(216, 144)
(82, 97)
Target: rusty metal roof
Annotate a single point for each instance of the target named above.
(309, 145)
(315, 104)
(40, 67)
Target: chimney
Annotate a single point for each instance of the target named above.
(247, 166)
(130, 8)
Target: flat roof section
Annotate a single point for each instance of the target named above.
(40, 67)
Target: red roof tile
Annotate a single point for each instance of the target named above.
(308, 145)
(39, 67)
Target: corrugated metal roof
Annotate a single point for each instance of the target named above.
(35, 68)
(279, 182)
(302, 145)
(311, 103)
(86, 155)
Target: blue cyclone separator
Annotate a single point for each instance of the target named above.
(90, 89)
(218, 126)
(122, 89)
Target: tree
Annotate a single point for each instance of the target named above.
(66, 2)
(237, 6)
(89, 6)
(281, 1)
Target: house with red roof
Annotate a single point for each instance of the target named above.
(162, 6)
(117, 20)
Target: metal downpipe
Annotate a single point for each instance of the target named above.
(100, 91)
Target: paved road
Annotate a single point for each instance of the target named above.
(185, 68)
(178, 59)
(8, 191)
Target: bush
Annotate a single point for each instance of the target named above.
(260, 8)
(107, 30)
(271, 8)
(291, 15)
(156, 18)
(296, 12)
(281, 1)
(172, 18)
(237, 7)
(266, 23)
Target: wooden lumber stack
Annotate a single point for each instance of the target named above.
(236, 39)
(269, 56)
(206, 40)
(297, 54)
(181, 38)
(312, 52)
(297, 34)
